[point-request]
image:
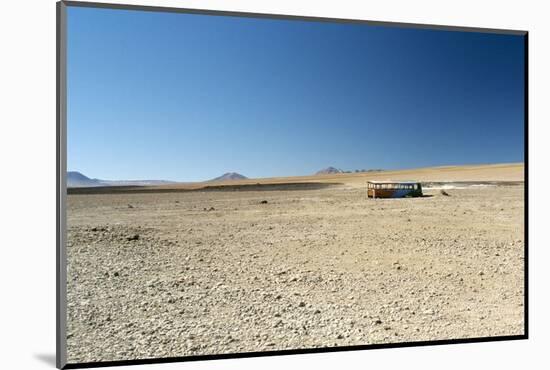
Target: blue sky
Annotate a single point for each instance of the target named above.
(189, 97)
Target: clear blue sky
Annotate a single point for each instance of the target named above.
(190, 97)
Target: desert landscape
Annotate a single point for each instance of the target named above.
(290, 263)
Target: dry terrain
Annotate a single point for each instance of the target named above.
(165, 271)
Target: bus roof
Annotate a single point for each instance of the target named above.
(392, 182)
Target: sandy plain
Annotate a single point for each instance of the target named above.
(171, 271)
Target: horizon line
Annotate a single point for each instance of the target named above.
(313, 174)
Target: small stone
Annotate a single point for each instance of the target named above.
(263, 202)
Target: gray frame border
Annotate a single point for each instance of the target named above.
(238, 14)
(61, 184)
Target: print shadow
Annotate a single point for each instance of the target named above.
(46, 358)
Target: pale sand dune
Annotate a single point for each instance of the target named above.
(492, 172)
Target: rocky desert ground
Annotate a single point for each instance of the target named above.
(171, 272)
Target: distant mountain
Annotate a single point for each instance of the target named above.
(230, 176)
(328, 170)
(77, 180)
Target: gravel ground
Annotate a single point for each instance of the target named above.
(179, 274)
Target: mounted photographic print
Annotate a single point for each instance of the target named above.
(234, 184)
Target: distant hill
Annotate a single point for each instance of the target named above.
(328, 170)
(76, 179)
(230, 176)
